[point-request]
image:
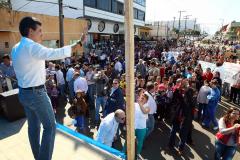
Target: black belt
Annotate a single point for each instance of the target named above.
(31, 88)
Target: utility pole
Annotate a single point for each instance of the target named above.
(167, 30)
(161, 29)
(129, 58)
(186, 18)
(157, 30)
(194, 28)
(61, 34)
(179, 22)
(173, 26)
(195, 24)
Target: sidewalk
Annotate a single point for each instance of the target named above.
(14, 145)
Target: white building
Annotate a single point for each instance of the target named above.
(105, 17)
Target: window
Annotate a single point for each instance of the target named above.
(114, 6)
(115, 28)
(120, 8)
(117, 7)
(101, 26)
(6, 45)
(138, 14)
(104, 5)
(107, 5)
(90, 3)
(141, 2)
(89, 23)
(141, 15)
(135, 12)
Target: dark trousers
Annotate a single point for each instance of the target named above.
(235, 93)
(185, 133)
(202, 111)
(54, 101)
(175, 128)
(161, 112)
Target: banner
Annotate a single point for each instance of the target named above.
(230, 72)
(206, 65)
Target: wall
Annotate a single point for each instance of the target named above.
(10, 21)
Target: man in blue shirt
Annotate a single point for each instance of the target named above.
(7, 70)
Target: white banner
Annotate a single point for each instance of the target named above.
(229, 72)
(206, 65)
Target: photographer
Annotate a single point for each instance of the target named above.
(101, 81)
(227, 138)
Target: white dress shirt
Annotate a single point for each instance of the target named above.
(118, 66)
(107, 130)
(60, 78)
(28, 59)
(69, 74)
(80, 84)
(151, 103)
(140, 117)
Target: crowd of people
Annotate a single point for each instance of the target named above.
(168, 88)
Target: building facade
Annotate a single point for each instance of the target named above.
(9, 32)
(105, 18)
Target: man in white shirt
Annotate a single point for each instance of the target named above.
(28, 57)
(50, 69)
(60, 80)
(80, 83)
(108, 127)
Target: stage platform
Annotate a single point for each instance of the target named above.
(69, 145)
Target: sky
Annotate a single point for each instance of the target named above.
(210, 14)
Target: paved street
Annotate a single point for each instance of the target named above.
(203, 148)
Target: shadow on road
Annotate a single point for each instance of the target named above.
(155, 147)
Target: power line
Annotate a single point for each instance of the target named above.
(23, 6)
(64, 5)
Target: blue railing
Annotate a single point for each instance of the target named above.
(91, 141)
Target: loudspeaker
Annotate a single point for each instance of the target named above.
(11, 107)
